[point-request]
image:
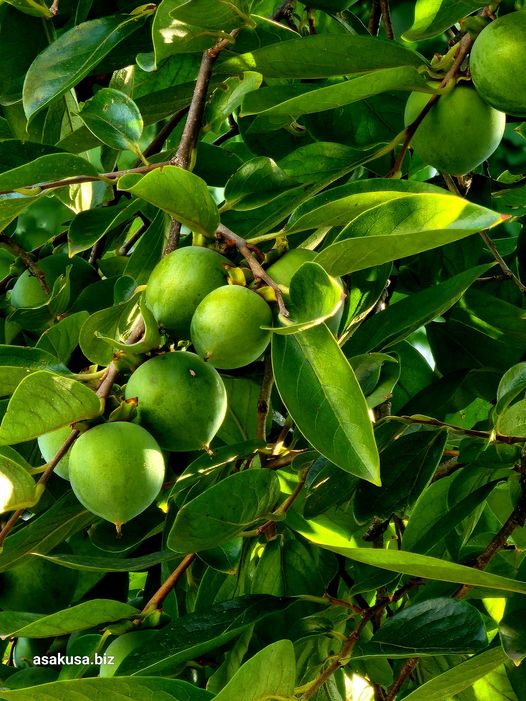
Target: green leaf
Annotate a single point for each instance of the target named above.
(402, 318)
(341, 205)
(511, 630)
(17, 362)
(431, 627)
(512, 422)
(270, 673)
(512, 384)
(195, 634)
(88, 563)
(227, 97)
(406, 466)
(417, 565)
(148, 251)
(143, 689)
(221, 15)
(35, 8)
(433, 17)
(91, 225)
(80, 617)
(320, 56)
(61, 339)
(458, 678)
(180, 193)
(224, 510)
(17, 486)
(328, 97)
(112, 323)
(255, 183)
(403, 227)
(54, 166)
(114, 119)
(12, 205)
(73, 55)
(315, 298)
(335, 420)
(43, 402)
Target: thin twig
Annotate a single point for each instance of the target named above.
(506, 270)
(158, 142)
(386, 19)
(54, 7)
(283, 508)
(464, 46)
(225, 234)
(264, 400)
(27, 260)
(374, 17)
(130, 243)
(166, 587)
(498, 437)
(285, 12)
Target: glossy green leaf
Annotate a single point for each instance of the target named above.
(224, 510)
(377, 374)
(88, 563)
(80, 617)
(512, 384)
(221, 15)
(43, 402)
(460, 677)
(171, 36)
(227, 98)
(180, 193)
(73, 55)
(335, 420)
(143, 689)
(432, 627)
(17, 486)
(36, 8)
(90, 226)
(195, 634)
(341, 205)
(114, 322)
(315, 297)
(45, 531)
(512, 421)
(402, 318)
(255, 183)
(12, 205)
(330, 97)
(17, 362)
(240, 423)
(54, 166)
(420, 565)
(511, 630)
(404, 227)
(320, 56)
(270, 673)
(114, 119)
(61, 339)
(406, 467)
(147, 251)
(433, 17)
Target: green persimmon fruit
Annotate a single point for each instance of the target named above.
(226, 327)
(179, 282)
(181, 400)
(123, 646)
(49, 444)
(38, 586)
(458, 133)
(284, 268)
(27, 291)
(498, 64)
(116, 470)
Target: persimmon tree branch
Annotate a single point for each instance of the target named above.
(223, 233)
(26, 259)
(498, 437)
(166, 587)
(386, 19)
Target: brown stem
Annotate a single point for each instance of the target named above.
(285, 12)
(464, 46)
(192, 127)
(498, 437)
(27, 260)
(130, 243)
(156, 144)
(264, 400)
(54, 7)
(166, 587)
(406, 670)
(506, 270)
(386, 19)
(225, 234)
(92, 178)
(289, 501)
(374, 18)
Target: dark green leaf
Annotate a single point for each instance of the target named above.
(335, 420)
(114, 119)
(43, 402)
(73, 55)
(195, 634)
(17, 362)
(224, 510)
(54, 166)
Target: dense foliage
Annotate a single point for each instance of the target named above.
(262, 342)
